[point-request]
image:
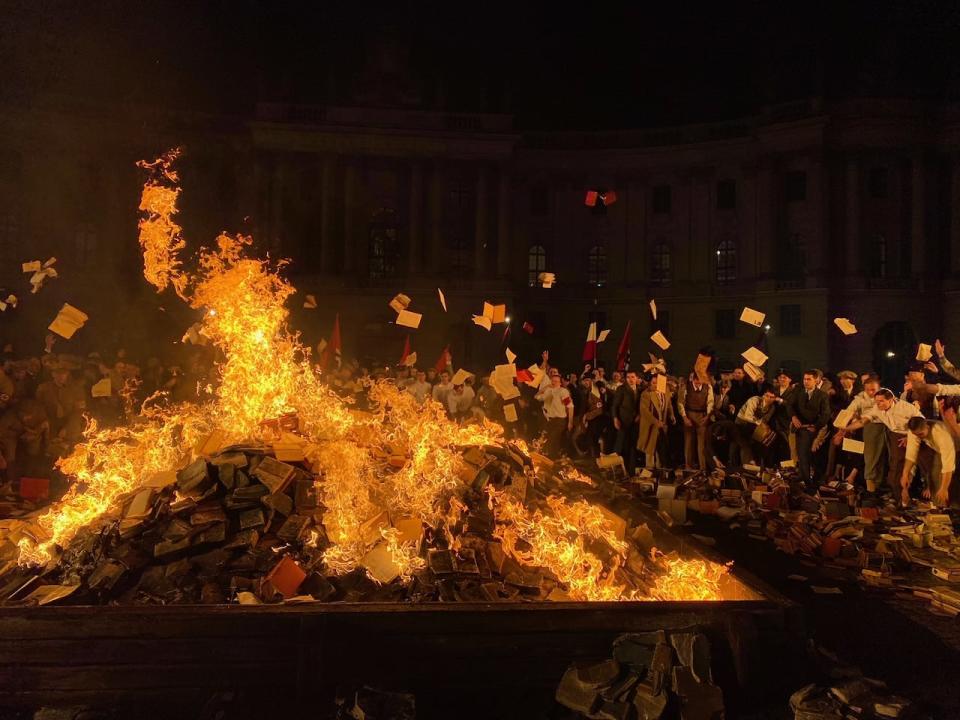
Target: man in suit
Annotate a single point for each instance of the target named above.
(656, 415)
(809, 409)
(625, 409)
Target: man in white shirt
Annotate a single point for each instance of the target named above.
(419, 388)
(757, 409)
(558, 410)
(442, 388)
(934, 435)
(874, 434)
(459, 400)
(891, 414)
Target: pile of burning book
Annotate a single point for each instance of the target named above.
(240, 526)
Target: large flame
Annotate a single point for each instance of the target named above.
(401, 461)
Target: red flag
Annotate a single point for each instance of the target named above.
(591, 198)
(590, 349)
(334, 348)
(524, 375)
(406, 351)
(623, 352)
(444, 361)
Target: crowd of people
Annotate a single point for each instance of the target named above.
(829, 426)
(841, 426)
(47, 399)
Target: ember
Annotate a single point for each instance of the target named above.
(365, 501)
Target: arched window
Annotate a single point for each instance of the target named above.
(879, 256)
(536, 264)
(383, 248)
(726, 261)
(660, 263)
(597, 266)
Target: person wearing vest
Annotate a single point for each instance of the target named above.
(695, 403)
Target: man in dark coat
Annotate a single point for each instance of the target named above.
(625, 410)
(809, 409)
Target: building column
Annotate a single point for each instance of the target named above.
(349, 214)
(816, 197)
(955, 215)
(415, 244)
(480, 225)
(504, 201)
(767, 200)
(326, 214)
(918, 210)
(436, 218)
(852, 229)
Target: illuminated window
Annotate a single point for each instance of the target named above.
(726, 261)
(536, 263)
(597, 266)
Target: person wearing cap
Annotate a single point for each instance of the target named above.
(783, 391)
(841, 395)
(64, 401)
(916, 390)
(557, 410)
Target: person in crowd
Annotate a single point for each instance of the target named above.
(558, 412)
(754, 433)
(625, 410)
(656, 416)
(915, 391)
(874, 434)
(419, 388)
(696, 405)
(459, 401)
(24, 437)
(741, 390)
(615, 381)
(64, 401)
(588, 417)
(442, 389)
(935, 435)
(809, 416)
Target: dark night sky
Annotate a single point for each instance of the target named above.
(595, 65)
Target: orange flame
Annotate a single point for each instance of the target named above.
(402, 460)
